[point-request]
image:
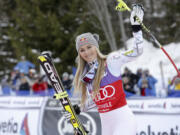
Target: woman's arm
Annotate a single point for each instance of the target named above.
(116, 59)
(89, 104)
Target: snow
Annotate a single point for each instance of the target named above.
(159, 15)
(151, 58)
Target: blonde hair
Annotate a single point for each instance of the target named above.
(80, 86)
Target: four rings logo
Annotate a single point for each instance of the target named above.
(104, 93)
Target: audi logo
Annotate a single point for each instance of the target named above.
(104, 93)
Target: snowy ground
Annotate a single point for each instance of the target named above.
(150, 59)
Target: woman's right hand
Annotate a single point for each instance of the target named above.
(68, 115)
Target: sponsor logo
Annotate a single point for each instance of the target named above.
(175, 105)
(136, 105)
(164, 105)
(3, 102)
(172, 131)
(65, 128)
(24, 126)
(53, 80)
(104, 93)
(50, 71)
(106, 105)
(34, 102)
(42, 58)
(19, 102)
(82, 39)
(158, 105)
(142, 106)
(8, 127)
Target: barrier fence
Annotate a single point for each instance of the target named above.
(42, 116)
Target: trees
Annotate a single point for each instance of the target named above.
(172, 15)
(6, 51)
(29, 27)
(42, 25)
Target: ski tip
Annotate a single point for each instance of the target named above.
(46, 54)
(42, 58)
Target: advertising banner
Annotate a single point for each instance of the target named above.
(54, 123)
(154, 117)
(20, 115)
(43, 116)
(155, 105)
(158, 124)
(157, 116)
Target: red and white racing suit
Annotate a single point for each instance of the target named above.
(116, 117)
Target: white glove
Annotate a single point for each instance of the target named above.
(138, 11)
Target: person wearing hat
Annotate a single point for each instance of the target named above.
(98, 77)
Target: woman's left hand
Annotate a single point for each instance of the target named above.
(138, 11)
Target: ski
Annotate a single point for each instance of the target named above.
(61, 94)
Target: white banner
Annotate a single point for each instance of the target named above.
(20, 115)
(155, 105)
(149, 124)
(27, 116)
(18, 102)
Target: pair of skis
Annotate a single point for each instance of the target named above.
(61, 94)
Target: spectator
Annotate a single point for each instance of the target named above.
(14, 77)
(147, 84)
(126, 72)
(139, 73)
(151, 81)
(5, 85)
(24, 65)
(31, 77)
(127, 85)
(18, 81)
(24, 85)
(45, 78)
(131, 78)
(177, 83)
(71, 77)
(67, 83)
(143, 85)
(40, 85)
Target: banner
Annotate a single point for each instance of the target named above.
(156, 116)
(155, 105)
(20, 115)
(43, 116)
(55, 124)
(158, 124)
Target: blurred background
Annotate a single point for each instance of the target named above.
(30, 27)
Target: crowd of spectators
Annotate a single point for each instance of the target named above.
(140, 83)
(24, 78)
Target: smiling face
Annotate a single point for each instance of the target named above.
(88, 53)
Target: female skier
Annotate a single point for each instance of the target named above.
(98, 77)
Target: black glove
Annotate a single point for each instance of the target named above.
(67, 114)
(77, 109)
